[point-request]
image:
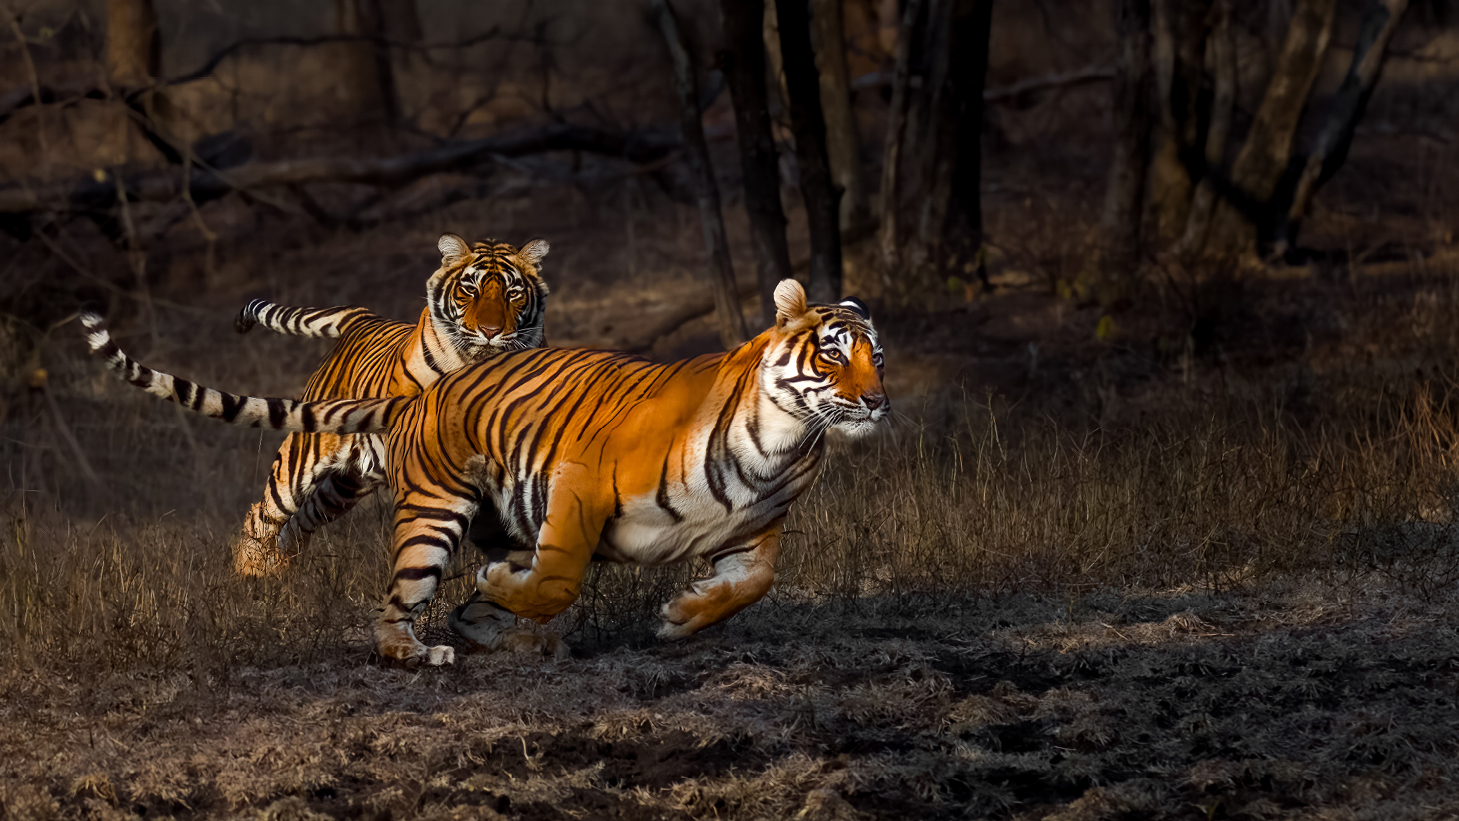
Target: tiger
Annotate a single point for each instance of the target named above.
(484, 299)
(588, 454)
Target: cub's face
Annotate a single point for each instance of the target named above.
(826, 366)
(489, 297)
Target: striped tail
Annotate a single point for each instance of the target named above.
(332, 416)
(319, 323)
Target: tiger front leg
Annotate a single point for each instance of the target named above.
(427, 531)
(565, 544)
(742, 576)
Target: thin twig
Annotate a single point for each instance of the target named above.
(35, 85)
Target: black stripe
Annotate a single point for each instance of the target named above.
(276, 413)
(416, 574)
(661, 498)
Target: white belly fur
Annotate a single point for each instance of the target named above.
(648, 534)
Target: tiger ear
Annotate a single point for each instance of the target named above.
(789, 302)
(453, 249)
(857, 306)
(535, 250)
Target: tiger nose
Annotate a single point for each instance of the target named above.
(875, 401)
(490, 331)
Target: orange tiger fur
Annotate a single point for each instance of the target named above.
(595, 453)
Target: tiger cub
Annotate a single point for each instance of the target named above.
(586, 454)
(485, 299)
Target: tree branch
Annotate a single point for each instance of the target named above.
(203, 184)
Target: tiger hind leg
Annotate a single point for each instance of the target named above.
(492, 627)
(335, 495)
(263, 548)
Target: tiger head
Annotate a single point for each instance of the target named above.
(489, 297)
(823, 364)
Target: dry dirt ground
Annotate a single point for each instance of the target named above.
(1304, 701)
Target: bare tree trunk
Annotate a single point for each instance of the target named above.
(1221, 60)
(743, 63)
(891, 241)
(1347, 108)
(134, 61)
(1125, 195)
(963, 228)
(842, 140)
(400, 21)
(803, 86)
(1258, 168)
(726, 297)
(927, 168)
(133, 43)
(1180, 29)
(366, 80)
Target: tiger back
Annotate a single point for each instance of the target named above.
(485, 299)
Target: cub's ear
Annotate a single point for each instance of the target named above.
(535, 250)
(452, 248)
(856, 305)
(789, 302)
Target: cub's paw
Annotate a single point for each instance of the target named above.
(440, 655)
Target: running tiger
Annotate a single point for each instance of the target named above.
(484, 299)
(593, 453)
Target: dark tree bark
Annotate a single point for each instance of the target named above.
(1180, 29)
(937, 106)
(726, 296)
(134, 61)
(743, 63)
(1221, 60)
(1263, 159)
(1346, 109)
(133, 43)
(808, 124)
(963, 229)
(843, 143)
(367, 76)
(399, 20)
(1124, 196)
(908, 33)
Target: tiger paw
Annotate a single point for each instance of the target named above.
(546, 645)
(521, 591)
(439, 656)
(258, 559)
(396, 641)
(676, 624)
